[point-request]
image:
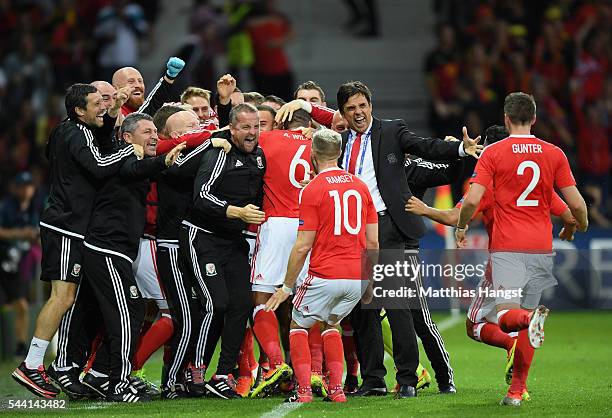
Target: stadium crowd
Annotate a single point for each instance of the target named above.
(559, 51)
(155, 192)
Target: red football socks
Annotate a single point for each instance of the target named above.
(492, 334)
(266, 330)
(513, 320)
(316, 349)
(246, 354)
(523, 355)
(334, 357)
(300, 357)
(156, 336)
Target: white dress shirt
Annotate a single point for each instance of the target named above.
(364, 167)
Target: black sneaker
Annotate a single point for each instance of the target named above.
(351, 384)
(222, 387)
(68, 381)
(175, 392)
(447, 389)
(194, 380)
(98, 385)
(129, 395)
(35, 380)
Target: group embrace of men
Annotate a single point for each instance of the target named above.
(187, 224)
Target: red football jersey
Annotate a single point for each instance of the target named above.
(523, 171)
(288, 162)
(487, 204)
(338, 206)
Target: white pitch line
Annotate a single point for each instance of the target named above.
(449, 322)
(282, 410)
(443, 325)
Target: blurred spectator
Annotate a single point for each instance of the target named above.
(207, 26)
(119, 26)
(69, 49)
(558, 50)
(364, 20)
(552, 122)
(29, 75)
(19, 252)
(240, 55)
(442, 68)
(270, 31)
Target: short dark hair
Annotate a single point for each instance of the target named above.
(309, 85)
(520, 108)
(161, 117)
(495, 133)
(253, 97)
(76, 96)
(300, 118)
(130, 123)
(242, 107)
(274, 99)
(266, 108)
(347, 90)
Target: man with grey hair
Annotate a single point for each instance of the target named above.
(110, 247)
(338, 221)
(226, 197)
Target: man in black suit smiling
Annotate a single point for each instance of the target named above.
(374, 149)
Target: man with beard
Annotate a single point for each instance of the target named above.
(227, 195)
(160, 93)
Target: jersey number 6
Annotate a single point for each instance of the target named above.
(295, 162)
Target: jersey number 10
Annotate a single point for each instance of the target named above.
(341, 211)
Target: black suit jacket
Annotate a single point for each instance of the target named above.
(391, 140)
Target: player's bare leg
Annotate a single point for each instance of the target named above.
(31, 373)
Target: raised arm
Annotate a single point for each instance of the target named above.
(424, 174)
(86, 153)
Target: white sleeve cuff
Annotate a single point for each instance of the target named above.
(461, 150)
(306, 105)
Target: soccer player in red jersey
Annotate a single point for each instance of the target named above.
(338, 221)
(523, 170)
(288, 153)
(481, 323)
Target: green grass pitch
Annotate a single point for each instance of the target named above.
(571, 376)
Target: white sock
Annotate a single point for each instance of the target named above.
(97, 374)
(36, 353)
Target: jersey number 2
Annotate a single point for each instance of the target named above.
(295, 162)
(522, 199)
(341, 211)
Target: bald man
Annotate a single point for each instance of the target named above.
(158, 96)
(339, 124)
(175, 190)
(108, 92)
